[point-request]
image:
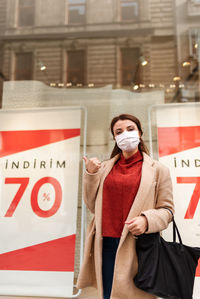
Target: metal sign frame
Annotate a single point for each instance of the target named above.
(84, 134)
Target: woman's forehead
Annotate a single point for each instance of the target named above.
(124, 123)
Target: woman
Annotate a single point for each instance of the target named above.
(128, 195)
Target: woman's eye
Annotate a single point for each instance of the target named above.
(131, 129)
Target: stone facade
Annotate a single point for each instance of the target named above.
(101, 38)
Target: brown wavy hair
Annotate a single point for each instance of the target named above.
(142, 147)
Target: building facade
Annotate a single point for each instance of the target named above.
(79, 43)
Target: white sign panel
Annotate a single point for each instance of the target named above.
(179, 149)
(39, 171)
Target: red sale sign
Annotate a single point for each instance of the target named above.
(39, 173)
(179, 148)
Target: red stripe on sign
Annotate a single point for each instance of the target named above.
(56, 255)
(177, 139)
(12, 142)
(198, 269)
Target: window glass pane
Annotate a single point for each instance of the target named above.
(26, 13)
(23, 66)
(129, 66)
(129, 10)
(196, 1)
(76, 11)
(76, 67)
(25, 3)
(76, 14)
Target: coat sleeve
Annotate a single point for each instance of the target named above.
(159, 217)
(90, 188)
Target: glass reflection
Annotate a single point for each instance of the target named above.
(135, 45)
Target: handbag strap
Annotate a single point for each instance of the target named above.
(176, 231)
(175, 228)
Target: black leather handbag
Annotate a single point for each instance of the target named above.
(166, 269)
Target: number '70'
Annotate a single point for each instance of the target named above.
(34, 195)
(195, 195)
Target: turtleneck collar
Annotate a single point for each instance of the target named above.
(133, 159)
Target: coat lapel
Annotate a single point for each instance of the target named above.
(108, 166)
(98, 218)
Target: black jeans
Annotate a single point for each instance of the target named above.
(110, 246)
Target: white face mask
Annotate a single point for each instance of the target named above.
(128, 140)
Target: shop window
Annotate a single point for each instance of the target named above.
(196, 2)
(26, 12)
(76, 11)
(76, 68)
(129, 10)
(130, 66)
(23, 66)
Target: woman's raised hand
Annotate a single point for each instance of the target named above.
(92, 165)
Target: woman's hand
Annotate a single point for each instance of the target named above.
(138, 225)
(92, 165)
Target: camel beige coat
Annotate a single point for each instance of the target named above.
(154, 193)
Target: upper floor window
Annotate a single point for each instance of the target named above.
(196, 1)
(26, 12)
(76, 67)
(130, 66)
(129, 10)
(23, 66)
(76, 11)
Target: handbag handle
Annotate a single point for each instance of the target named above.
(176, 231)
(175, 228)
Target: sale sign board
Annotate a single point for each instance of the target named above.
(179, 149)
(39, 173)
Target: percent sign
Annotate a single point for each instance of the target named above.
(46, 196)
(34, 195)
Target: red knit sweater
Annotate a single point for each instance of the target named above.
(119, 191)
